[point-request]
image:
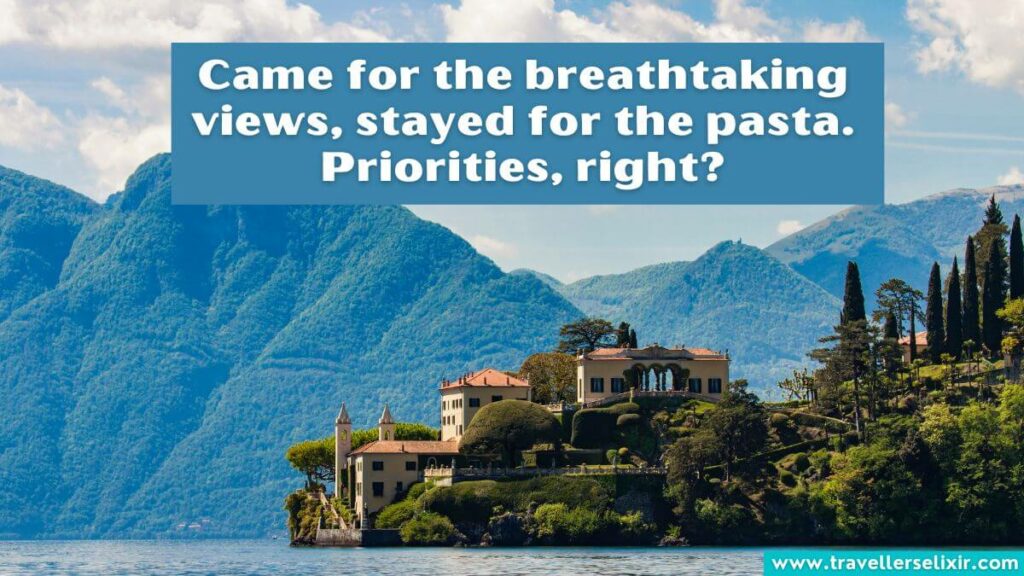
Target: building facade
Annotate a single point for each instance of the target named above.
(609, 371)
(379, 472)
(463, 397)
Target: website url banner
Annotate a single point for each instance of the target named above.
(893, 562)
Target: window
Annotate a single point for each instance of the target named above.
(378, 465)
(474, 402)
(714, 385)
(378, 489)
(495, 398)
(459, 432)
(398, 487)
(597, 384)
(410, 465)
(359, 487)
(618, 385)
(695, 385)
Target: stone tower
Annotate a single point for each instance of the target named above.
(386, 425)
(342, 445)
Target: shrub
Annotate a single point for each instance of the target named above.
(463, 502)
(778, 420)
(725, 523)
(416, 490)
(633, 529)
(595, 427)
(627, 420)
(611, 455)
(428, 529)
(508, 426)
(559, 524)
(394, 515)
(787, 478)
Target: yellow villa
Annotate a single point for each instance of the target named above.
(463, 397)
(609, 371)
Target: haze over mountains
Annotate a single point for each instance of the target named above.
(155, 361)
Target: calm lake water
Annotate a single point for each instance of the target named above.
(276, 557)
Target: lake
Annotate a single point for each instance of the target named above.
(230, 557)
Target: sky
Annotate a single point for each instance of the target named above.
(84, 98)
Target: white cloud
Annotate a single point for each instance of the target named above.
(147, 24)
(493, 247)
(113, 146)
(982, 40)
(895, 117)
(787, 227)
(852, 30)
(1012, 176)
(26, 125)
(634, 21)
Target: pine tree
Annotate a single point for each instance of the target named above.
(853, 297)
(933, 316)
(1016, 260)
(971, 305)
(954, 315)
(991, 302)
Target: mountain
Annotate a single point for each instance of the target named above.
(892, 239)
(38, 222)
(733, 297)
(167, 355)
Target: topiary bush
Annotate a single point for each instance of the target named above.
(596, 427)
(627, 420)
(428, 529)
(505, 428)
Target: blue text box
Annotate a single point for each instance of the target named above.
(788, 169)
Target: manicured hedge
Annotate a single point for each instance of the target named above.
(596, 427)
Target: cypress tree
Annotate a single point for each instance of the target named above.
(971, 319)
(933, 316)
(991, 301)
(890, 330)
(1016, 260)
(993, 231)
(954, 316)
(853, 296)
(632, 338)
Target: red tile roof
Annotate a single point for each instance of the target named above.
(488, 377)
(655, 352)
(921, 338)
(408, 447)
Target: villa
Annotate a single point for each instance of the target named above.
(462, 398)
(607, 372)
(379, 472)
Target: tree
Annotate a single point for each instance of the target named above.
(933, 316)
(314, 458)
(622, 335)
(586, 334)
(992, 232)
(632, 338)
(992, 299)
(954, 315)
(738, 425)
(1016, 260)
(971, 303)
(851, 355)
(508, 426)
(552, 377)
(1013, 316)
(898, 298)
(853, 295)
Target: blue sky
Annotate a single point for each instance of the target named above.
(84, 98)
